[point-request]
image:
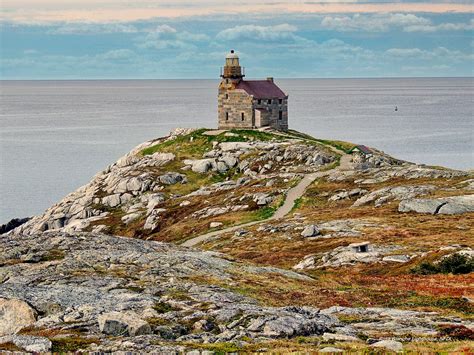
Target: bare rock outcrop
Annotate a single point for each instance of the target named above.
(354, 253)
(15, 314)
(446, 205)
(123, 324)
(113, 286)
(132, 183)
(386, 194)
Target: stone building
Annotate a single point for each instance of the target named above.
(249, 103)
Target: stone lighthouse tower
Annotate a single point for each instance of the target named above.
(232, 69)
(249, 103)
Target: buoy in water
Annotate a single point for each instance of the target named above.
(396, 108)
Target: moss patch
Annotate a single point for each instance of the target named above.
(71, 343)
(217, 348)
(195, 144)
(53, 254)
(162, 307)
(9, 346)
(346, 147)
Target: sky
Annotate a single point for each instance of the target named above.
(156, 39)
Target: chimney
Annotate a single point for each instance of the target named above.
(270, 78)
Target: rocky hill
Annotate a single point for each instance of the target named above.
(250, 241)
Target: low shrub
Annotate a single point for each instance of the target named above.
(425, 268)
(452, 264)
(71, 344)
(456, 332)
(457, 264)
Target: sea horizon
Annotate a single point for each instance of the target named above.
(208, 177)
(256, 77)
(62, 132)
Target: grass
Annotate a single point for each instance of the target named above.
(310, 345)
(53, 254)
(297, 204)
(346, 147)
(63, 341)
(217, 348)
(341, 145)
(332, 165)
(162, 307)
(301, 135)
(250, 134)
(179, 295)
(423, 302)
(41, 331)
(384, 285)
(9, 346)
(175, 221)
(178, 224)
(264, 213)
(157, 322)
(195, 144)
(71, 343)
(136, 289)
(275, 290)
(194, 180)
(354, 318)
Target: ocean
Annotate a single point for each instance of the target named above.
(55, 135)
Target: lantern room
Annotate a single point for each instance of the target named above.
(232, 68)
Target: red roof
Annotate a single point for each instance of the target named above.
(261, 89)
(364, 149)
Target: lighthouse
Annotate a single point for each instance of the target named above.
(249, 103)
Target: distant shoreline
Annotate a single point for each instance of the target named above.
(76, 127)
(277, 78)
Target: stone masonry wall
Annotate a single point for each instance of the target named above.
(273, 108)
(237, 102)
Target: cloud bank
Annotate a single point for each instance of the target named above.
(280, 40)
(106, 11)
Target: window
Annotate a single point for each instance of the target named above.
(280, 101)
(269, 101)
(227, 116)
(226, 96)
(259, 101)
(242, 115)
(280, 115)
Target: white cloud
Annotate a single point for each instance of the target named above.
(386, 22)
(30, 52)
(435, 54)
(372, 23)
(113, 63)
(407, 53)
(328, 51)
(441, 27)
(163, 30)
(258, 33)
(117, 54)
(167, 37)
(92, 29)
(109, 11)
